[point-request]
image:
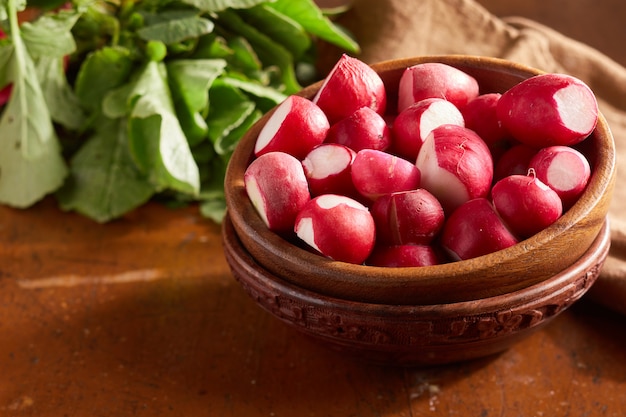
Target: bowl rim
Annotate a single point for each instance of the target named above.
(374, 283)
(236, 254)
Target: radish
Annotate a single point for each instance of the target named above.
(375, 173)
(413, 124)
(296, 126)
(408, 217)
(277, 187)
(475, 229)
(480, 115)
(363, 129)
(337, 227)
(350, 85)
(455, 165)
(549, 109)
(433, 79)
(328, 170)
(526, 204)
(403, 256)
(564, 169)
(514, 160)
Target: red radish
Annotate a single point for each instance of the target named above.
(277, 188)
(375, 173)
(433, 79)
(413, 124)
(549, 109)
(407, 217)
(328, 170)
(455, 165)
(515, 160)
(475, 229)
(363, 129)
(296, 126)
(350, 85)
(481, 116)
(403, 256)
(337, 227)
(526, 204)
(564, 169)
(5, 94)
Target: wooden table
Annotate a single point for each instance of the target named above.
(141, 317)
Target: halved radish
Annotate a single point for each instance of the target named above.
(434, 79)
(455, 165)
(414, 124)
(296, 126)
(337, 227)
(328, 170)
(350, 85)
(564, 169)
(277, 187)
(549, 109)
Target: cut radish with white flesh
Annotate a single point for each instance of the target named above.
(515, 160)
(436, 80)
(296, 126)
(403, 256)
(337, 227)
(480, 115)
(549, 109)
(328, 170)
(350, 85)
(455, 166)
(414, 124)
(526, 204)
(277, 187)
(475, 229)
(408, 217)
(564, 169)
(375, 173)
(363, 129)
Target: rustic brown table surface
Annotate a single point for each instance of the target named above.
(141, 317)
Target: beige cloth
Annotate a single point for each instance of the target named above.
(399, 28)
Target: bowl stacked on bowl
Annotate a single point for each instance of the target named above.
(432, 314)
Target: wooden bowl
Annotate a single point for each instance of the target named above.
(522, 266)
(416, 335)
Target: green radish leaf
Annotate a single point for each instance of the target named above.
(310, 16)
(229, 108)
(63, 104)
(50, 34)
(279, 27)
(269, 51)
(176, 29)
(219, 5)
(104, 182)
(226, 144)
(190, 81)
(111, 66)
(26, 121)
(254, 88)
(157, 140)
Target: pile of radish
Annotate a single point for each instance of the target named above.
(450, 174)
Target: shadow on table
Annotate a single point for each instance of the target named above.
(189, 347)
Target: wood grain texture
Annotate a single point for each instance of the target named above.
(78, 340)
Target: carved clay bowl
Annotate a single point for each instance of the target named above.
(416, 335)
(534, 261)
